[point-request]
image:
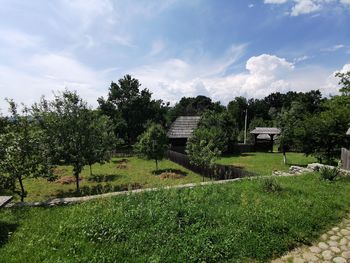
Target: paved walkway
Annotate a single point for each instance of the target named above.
(333, 246)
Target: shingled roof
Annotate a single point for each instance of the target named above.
(183, 127)
(266, 130)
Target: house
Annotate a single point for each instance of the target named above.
(264, 137)
(180, 130)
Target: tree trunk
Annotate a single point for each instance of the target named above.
(284, 157)
(156, 165)
(22, 188)
(77, 182)
(90, 169)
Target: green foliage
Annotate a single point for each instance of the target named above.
(21, 150)
(344, 82)
(329, 174)
(205, 146)
(271, 185)
(131, 109)
(77, 135)
(152, 144)
(235, 222)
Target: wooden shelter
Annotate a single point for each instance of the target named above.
(180, 130)
(264, 137)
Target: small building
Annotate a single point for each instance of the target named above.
(180, 130)
(264, 137)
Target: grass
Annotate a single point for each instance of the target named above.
(112, 176)
(235, 222)
(264, 163)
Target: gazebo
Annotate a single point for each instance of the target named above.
(180, 130)
(264, 137)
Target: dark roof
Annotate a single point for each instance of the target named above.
(348, 132)
(266, 130)
(183, 126)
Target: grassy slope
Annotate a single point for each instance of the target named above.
(264, 163)
(233, 222)
(138, 171)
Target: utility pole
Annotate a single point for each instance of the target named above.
(245, 126)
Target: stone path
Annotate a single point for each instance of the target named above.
(4, 200)
(333, 246)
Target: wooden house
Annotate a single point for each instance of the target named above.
(180, 130)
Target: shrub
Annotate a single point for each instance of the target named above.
(328, 173)
(271, 185)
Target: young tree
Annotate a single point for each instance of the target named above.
(344, 82)
(153, 143)
(21, 150)
(100, 139)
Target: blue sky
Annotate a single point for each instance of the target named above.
(176, 48)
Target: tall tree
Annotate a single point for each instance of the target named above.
(152, 144)
(21, 150)
(131, 108)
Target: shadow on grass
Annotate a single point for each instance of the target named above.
(177, 171)
(98, 189)
(99, 178)
(6, 230)
(124, 160)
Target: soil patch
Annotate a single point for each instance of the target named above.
(170, 175)
(68, 179)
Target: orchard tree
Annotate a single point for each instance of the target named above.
(21, 150)
(100, 139)
(78, 136)
(153, 143)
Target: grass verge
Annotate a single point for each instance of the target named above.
(235, 222)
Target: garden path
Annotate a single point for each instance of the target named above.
(333, 246)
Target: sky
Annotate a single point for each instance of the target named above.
(221, 49)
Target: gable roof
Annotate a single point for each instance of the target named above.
(183, 127)
(266, 130)
(348, 132)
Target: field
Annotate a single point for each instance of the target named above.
(119, 174)
(264, 163)
(235, 222)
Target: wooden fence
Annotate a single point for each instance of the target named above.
(218, 172)
(345, 158)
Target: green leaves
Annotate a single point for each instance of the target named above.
(153, 143)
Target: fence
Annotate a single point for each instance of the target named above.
(218, 172)
(345, 158)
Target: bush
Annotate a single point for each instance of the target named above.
(271, 185)
(328, 173)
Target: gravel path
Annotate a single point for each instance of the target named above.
(333, 246)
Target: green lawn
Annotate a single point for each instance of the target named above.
(264, 163)
(235, 222)
(113, 176)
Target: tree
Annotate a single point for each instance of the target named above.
(344, 82)
(131, 109)
(78, 136)
(21, 150)
(205, 146)
(153, 143)
(100, 139)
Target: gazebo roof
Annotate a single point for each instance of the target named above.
(266, 130)
(183, 127)
(348, 132)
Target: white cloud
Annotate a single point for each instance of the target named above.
(275, 1)
(345, 2)
(305, 7)
(157, 47)
(333, 48)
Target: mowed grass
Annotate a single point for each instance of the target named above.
(264, 163)
(112, 176)
(235, 222)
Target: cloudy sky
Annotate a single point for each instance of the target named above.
(176, 48)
